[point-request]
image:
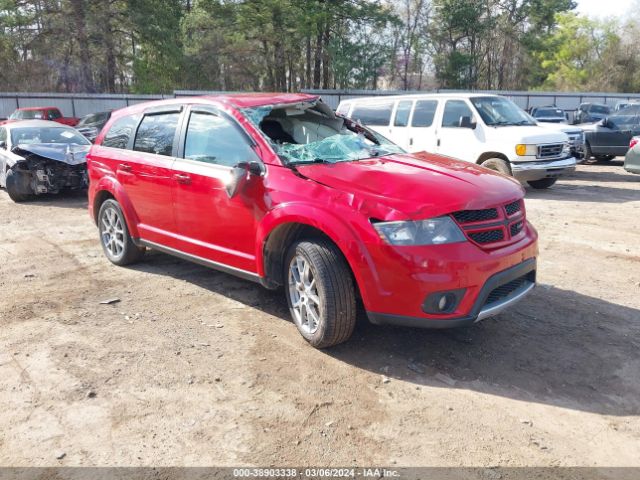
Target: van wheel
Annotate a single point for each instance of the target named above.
(11, 184)
(497, 165)
(542, 183)
(116, 242)
(320, 292)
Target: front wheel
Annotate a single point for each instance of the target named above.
(542, 183)
(320, 292)
(116, 242)
(13, 188)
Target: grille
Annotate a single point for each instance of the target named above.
(471, 216)
(516, 228)
(488, 236)
(507, 289)
(513, 208)
(549, 151)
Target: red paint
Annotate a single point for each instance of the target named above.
(47, 112)
(184, 206)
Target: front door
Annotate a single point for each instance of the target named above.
(454, 140)
(212, 225)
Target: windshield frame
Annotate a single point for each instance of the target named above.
(530, 121)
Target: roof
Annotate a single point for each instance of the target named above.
(414, 96)
(37, 108)
(34, 124)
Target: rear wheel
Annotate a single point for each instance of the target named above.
(320, 292)
(542, 183)
(497, 165)
(116, 242)
(13, 187)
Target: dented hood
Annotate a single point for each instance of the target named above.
(65, 153)
(415, 186)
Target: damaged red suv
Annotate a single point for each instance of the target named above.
(278, 189)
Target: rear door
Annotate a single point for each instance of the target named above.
(423, 128)
(375, 115)
(212, 225)
(614, 138)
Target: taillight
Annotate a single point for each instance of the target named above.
(634, 142)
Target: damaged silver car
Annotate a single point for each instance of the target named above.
(39, 156)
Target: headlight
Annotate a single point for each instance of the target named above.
(523, 150)
(434, 231)
(567, 148)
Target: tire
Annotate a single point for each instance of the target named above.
(587, 152)
(497, 165)
(542, 183)
(11, 184)
(116, 242)
(316, 268)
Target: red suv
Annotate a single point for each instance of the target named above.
(278, 189)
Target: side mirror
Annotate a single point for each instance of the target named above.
(241, 174)
(606, 122)
(3, 144)
(465, 122)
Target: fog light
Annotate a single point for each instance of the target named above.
(441, 303)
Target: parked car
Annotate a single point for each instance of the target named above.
(622, 105)
(91, 125)
(40, 156)
(488, 130)
(611, 136)
(41, 113)
(551, 114)
(632, 159)
(591, 113)
(278, 189)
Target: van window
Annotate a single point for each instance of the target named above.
(402, 113)
(120, 132)
(343, 108)
(453, 110)
(214, 139)
(423, 113)
(156, 134)
(378, 114)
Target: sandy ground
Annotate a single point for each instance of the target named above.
(195, 367)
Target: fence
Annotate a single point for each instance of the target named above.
(78, 105)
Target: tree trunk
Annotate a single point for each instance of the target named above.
(85, 81)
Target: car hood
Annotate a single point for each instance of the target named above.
(69, 154)
(532, 135)
(417, 186)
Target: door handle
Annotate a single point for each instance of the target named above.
(124, 167)
(438, 144)
(182, 178)
(411, 141)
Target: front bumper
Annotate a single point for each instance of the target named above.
(537, 170)
(511, 285)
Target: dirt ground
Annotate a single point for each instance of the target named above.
(195, 367)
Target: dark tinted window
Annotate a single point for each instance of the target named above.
(548, 112)
(622, 121)
(375, 115)
(214, 139)
(54, 114)
(156, 134)
(120, 132)
(453, 110)
(599, 109)
(423, 113)
(402, 113)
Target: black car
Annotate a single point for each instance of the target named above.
(91, 125)
(591, 113)
(611, 136)
(551, 114)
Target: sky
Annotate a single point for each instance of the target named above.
(604, 8)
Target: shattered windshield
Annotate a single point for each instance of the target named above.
(31, 135)
(313, 133)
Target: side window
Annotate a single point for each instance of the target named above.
(343, 108)
(402, 113)
(373, 114)
(156, 133)
(214, 139)
(424, 112)
(120, 132)
(453, 110)
(53, 114)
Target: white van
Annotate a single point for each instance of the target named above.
(489, 130)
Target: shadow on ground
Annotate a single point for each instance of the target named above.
(557, 347)
(65, 199)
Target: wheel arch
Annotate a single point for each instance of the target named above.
(488, 155)
(106, 189)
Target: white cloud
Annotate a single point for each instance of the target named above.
(604, 8)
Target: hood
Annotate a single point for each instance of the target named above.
(532, 135)
(418, 186)
(60, 152)
(561, 127)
